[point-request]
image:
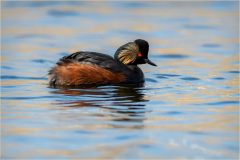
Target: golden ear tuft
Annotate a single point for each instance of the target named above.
(129, 53)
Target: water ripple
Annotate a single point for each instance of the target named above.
(162, 77)
(150, 80)
(26, 98)
(211, 45)
(171, 56)
(218, 78)
(197, 133)
(42, 61)
(24, 78)
(172, 113)
(24, 36)
(6, 67)
(61, 13)
(222, 103)
(237, 72)
(190, 78)
(199, 27)
(168, 75)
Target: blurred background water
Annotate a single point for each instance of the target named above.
(187, 108)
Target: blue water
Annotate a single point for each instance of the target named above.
(188, 107)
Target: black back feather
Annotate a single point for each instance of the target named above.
(94, 58)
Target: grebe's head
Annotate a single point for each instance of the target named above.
(134, 53)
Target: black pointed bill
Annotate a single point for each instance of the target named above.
(149, 62)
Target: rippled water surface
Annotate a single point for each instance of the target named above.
(187, 108)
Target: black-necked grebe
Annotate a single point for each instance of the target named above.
(83, 68)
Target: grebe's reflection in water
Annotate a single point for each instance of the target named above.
(121, 103)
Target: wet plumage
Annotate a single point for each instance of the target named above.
(82, 68)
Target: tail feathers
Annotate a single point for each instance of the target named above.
(73, 74)
(52, 80)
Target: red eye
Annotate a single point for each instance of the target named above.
(139, 55)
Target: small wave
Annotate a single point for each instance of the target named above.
(199, 27)
(173, 56)
(24, 36)
(211, 45)
(132, 4)
(64, 53)
(234, 72)
(162, 77)
(167, 75)
(173, 113)
(26, 98)
(190, 79)
(19, 77)
(42, 61)
(223, 103)
(8, 86)
(150, 80)
(61, 13)
(197, 133)
(218, 78)
(6, 67)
